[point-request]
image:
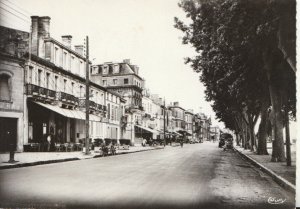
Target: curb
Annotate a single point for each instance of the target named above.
(278, 179)
(64, 160)
(124, 153)
(37, 163)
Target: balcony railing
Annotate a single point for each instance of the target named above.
(32, 89)
(50, 93)
(101, 107)
(35, 90)
(93, 105)
(64, 97)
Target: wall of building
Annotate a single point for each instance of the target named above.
(12, 74)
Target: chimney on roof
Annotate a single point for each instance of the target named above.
(80, 49)
(34, 35)
(40, 29)
(127, 61)
(44, 26)
(176, 104)
(67, 40)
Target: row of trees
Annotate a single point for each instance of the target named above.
(246, 55)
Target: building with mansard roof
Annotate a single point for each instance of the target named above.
(123, 78)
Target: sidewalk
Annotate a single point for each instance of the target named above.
(280, 172)
(37, 158)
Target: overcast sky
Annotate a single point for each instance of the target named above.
(140, 30)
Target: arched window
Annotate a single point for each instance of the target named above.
(5, 89)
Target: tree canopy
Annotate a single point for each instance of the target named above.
(233, 39)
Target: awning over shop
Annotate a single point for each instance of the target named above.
(175, 133)
(148, 129)
(69, 113)
(184, 132)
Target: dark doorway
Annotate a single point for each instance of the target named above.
(8, 133)
(72, 130)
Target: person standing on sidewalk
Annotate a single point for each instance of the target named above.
(49, 142)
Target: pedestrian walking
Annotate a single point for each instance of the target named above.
(181, 143)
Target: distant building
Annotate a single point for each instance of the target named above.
(189, 117)
(178, 118)
(123, 78)
(214, 133)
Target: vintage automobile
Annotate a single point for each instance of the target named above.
(105, 147)
(225, 137)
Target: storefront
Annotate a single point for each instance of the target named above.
(145, 133)
(63, 125)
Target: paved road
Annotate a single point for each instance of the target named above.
(195, 176)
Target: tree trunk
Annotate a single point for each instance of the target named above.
(244, 133)
(251, 133)
(237, 139)
(262, 130)
(278, 154)
(287, 140)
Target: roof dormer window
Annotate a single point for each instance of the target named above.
(95, 70)
(116, 69)
(105, 69)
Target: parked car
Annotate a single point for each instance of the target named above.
(225, 137)
(192, 141)
(228, 144)
(221, 142)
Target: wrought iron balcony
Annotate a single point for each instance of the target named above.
(39, 91)
(50, 93)
(64, 97)
(92, 105)
(99, 107)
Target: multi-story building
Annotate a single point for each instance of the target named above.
(189, 115)
(124, 78)
(149, 127)
(205, 123)
(52, 101)
(13, 45)
(214, 133)
(178, 114)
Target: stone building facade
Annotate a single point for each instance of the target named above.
(13, 45)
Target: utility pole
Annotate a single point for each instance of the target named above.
(87, 101)
(164, 122)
